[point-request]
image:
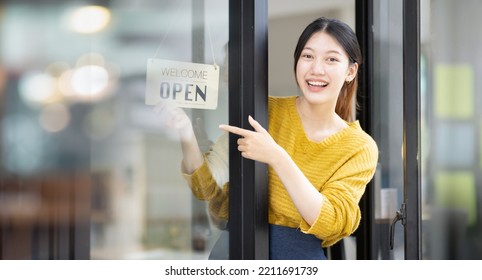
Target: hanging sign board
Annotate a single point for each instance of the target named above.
(188, 85)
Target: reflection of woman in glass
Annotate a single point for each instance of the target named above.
(319, 158)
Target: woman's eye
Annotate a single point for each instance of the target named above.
(332, 59)
(307, 56)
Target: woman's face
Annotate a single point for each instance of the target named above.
(323, 68)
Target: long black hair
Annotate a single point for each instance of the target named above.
(346, 37)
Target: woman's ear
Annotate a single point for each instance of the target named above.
(352, 71)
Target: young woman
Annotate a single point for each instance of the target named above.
(319, 158)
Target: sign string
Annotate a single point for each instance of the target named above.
(162, 41)
(210, 43)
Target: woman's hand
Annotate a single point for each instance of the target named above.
(256, 145)
(260, 146)
(174, 119)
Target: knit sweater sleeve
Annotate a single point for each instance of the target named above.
(340, 213)
(206, 181)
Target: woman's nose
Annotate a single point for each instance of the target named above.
(318, 68)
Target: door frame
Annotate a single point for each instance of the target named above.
(410, 210)
(411, 130)
(248, 95)
(366, 232)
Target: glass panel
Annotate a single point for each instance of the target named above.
(387, 123)
(451, 129)
(88, 170)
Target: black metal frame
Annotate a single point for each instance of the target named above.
(248, 95)
(364, 21)
(411, 128)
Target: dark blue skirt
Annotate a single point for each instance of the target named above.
(292, 244)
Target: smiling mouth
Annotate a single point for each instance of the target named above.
(316, 84)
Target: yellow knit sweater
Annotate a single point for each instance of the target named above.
(339, 167)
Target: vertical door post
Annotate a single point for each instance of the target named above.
(411, 127)
(248, 92)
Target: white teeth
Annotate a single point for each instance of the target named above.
(317, 84)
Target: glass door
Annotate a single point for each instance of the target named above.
(424, 115)
(88, 171)
(387, 123)
(394, 119)
(176, 221)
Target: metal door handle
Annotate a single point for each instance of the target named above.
(400, 216)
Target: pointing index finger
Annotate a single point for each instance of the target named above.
(234, 129)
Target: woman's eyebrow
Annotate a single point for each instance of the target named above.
(329, 51)
(334, 51)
